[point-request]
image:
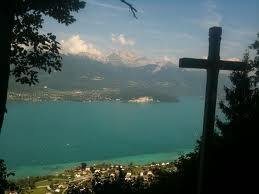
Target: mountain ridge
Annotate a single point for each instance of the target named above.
(84, 73)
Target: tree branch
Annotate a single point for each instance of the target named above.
(131, 7)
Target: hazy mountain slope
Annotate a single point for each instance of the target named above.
(83, 73)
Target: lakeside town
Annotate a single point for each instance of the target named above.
(46, 94)
(86, 177)
(106, 94)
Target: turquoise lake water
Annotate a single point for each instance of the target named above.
(42, 138)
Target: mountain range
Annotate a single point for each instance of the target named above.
(80, 72)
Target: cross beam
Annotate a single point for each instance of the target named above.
(212, 65)
(203, 64)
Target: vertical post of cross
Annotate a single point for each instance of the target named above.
(212, 65)
(210, 104)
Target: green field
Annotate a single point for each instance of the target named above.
(42, 183)
(38, 191)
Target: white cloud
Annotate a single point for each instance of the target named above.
(210, 5)
(122, 40)
(212, 16)
(164, 61)
(75, 45)
(128, 58)
(184, 36)
(167, 59)
(129, 55)
(247, 33)
(235, 59)
(132, 59)
(104, 5)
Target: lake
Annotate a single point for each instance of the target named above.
(40, 138)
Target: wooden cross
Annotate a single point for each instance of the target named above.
(213, 64)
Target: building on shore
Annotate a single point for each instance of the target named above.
(145, 99)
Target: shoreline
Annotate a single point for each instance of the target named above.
(84, 96)
(54, 169)
(176, 100)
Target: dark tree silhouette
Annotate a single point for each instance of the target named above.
(73, 189)
(4, 184)
(83, 165)
(241, 105)
(238, 133)
(24, 50)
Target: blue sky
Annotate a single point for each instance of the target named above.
(165, 29)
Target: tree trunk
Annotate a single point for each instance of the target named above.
(7, 18)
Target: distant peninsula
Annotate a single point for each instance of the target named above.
(145, 99)
(46, 94)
